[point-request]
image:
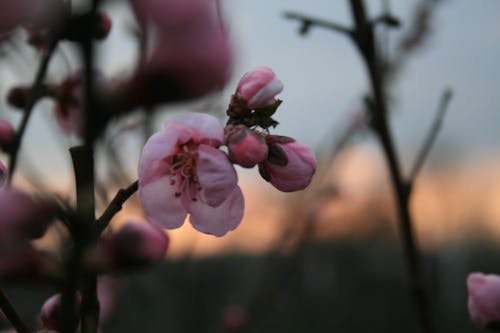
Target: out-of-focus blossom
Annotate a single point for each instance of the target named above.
(246, 147)
(4, 175)
(6, 133)
(484, 299)
(234, 317)
(290, 164)
(191, 54)
(259, 87)
(181, 171)
(51, 311)
(133, 245)
(12, 14)
(69, 106)
(24, 216)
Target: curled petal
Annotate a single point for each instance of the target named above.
(160, 204)
(205, 127)
(216, 175)
(298, 171)
(259, 87)
(219, 220)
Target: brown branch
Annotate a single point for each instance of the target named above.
(115, 206)
(36, 92)
(10, 312)
(432, 134)
(308, 21)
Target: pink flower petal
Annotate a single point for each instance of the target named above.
(207, 128)
(219, 220)
(216, 175)
(160, 204)
(157, 149)
(484, 298)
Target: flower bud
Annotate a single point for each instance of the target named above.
(259, 87)
(246, 147)
(6, 134)
(24, 216)
(290, 164)
(18, 97)
(484, 299)
(134, 244)
(4, 175)
(51, 312)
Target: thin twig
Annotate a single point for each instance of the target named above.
(308, 21)
(37, 89)
(115, 205)
(11, 314)
(432, 134)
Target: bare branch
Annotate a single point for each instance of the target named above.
(308, 21)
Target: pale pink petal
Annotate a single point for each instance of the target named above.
(266, 95)
(297, 173)
(216, 175)
(207, 128)
(484, 298)
(153, 161)
(219, 220)
(160, 204)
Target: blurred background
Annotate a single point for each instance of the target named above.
(328, 258)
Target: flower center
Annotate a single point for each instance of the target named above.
(183, 170)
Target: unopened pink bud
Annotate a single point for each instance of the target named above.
(6, 133)
(259, 87)
(4, 175)
(135, 244)
(51, 312)
(104, 26)
(290, 164)
(246, 147)
(484, 299)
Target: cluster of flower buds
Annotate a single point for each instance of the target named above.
(182, 170)
(284, 162)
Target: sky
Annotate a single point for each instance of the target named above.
(324, 77)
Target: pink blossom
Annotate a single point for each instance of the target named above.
(290, 164)
(6, 133)
(259, 87)
(246, 147)
(4, 175)
(134, 244)
(181, 171)
(191, 55)
(484, 299)
(51, 311)
(12, 13)
(69, 107)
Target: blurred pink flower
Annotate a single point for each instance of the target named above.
(246, 147)
(484, 299)
(191, 55)
(259, 87)
(181, 171)
(290, 164)
(69, 107)
(6, 133)
(4, 175)
(134, 244)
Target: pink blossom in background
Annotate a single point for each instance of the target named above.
(69, 107)
(246, 147)
(4, 175)
(181, 171)
(135, 243)
(484, 299)
(259, 87)
(6, 133)
(290, 164)
(191, 55)
(51, 311)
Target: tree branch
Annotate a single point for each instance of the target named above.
(308, 21)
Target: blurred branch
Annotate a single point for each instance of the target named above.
(36, 92)
(10, 312)
(308, 21)
(115, 205)
(432, 134)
